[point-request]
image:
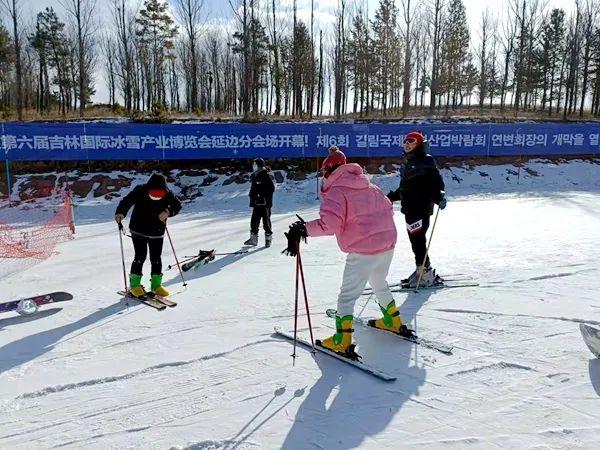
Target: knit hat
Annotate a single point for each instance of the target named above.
(332, 162)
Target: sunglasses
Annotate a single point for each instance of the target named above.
(410, 141)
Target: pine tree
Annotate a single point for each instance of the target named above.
(258, 49)
(553, 35)
(156, 33)
(360, 60)
(455, 49)
(386, 43)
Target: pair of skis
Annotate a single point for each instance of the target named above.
(355, 359)
(441, 282)
(203, 257)
(149, 299)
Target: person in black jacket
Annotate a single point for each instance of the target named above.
(261, 200)
(421, 186)
(152, 203)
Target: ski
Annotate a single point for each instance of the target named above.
(444, 278)
(591, 337)
(442, 285)
(359, 365)
(163, 300)
(145, 299)
(428, 343)
(204, 257)
(40, 300)
(445, 285)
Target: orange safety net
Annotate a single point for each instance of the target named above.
(37, 239)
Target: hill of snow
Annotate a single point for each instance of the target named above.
(100, 372)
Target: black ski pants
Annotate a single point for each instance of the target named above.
(417, 226)
(141, 245)
(261, 213)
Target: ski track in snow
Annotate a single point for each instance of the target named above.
(68, 387)
(470, 311)
(95, 373)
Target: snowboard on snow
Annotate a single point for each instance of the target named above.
(39, 300)
(591, 337)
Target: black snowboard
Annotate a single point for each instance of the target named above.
(44, 299)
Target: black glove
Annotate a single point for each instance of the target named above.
(443, 201)
(394, 196)
(296, 233)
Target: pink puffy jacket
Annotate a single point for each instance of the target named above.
(356, 211)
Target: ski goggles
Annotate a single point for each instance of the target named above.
(410, 141)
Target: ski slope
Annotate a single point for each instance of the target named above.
(99, 373)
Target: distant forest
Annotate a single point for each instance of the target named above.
(406, 57)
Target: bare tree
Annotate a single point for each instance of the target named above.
(276, 65)
(83, 13)
(190, 14)
(589, 20)
(408, 45)
(437, 20)
(339, 57)
(573, 48)
(509, 29)
(124, 20)
(13, 9)
(484, 55)
(109, 47)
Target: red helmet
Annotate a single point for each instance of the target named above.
(418, 137)
(333, 161)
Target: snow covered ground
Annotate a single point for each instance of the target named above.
(209, 374)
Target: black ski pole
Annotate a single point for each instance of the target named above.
(239, 252)
(312, 340)
(122, 255)
(296, 307)
(175, 255)
(183, 261)
(422, 269)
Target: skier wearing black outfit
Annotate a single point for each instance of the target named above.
(421, 186)
(152, 203)
(261, 200)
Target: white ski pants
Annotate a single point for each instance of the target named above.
(360, 269)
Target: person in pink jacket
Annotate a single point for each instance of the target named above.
(361, 217)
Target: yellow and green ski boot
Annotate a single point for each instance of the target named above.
(135, 285)
(157, 287)
(391, 319)
(341, 341)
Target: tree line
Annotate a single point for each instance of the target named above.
(407, 55)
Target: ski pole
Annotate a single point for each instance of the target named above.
(296, 307)
(422, 269)
(183, 261)
(175, 255)
(240, 252)
(188, 258)
(122, 255)
(312, 341)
